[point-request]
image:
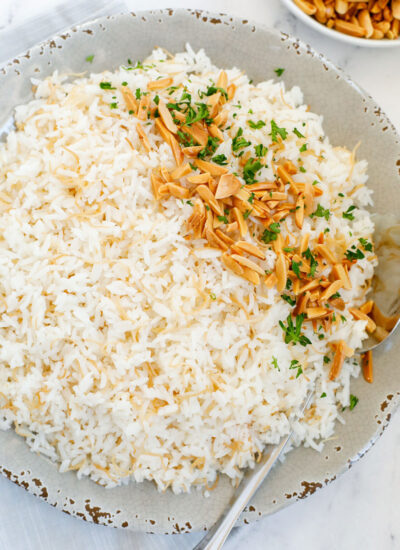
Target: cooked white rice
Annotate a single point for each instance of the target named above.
(126, 351)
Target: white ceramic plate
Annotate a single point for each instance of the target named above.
(308, 20)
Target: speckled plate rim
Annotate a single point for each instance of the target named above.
(336, 35)
(34, 479)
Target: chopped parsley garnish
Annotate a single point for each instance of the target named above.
(193, 116)
(348, 214)
(289, 284)
(279, 71)
(353, 401)
(239, 142)
(303, 148)
(246, 214)
(313, 262)
(90, 58)
(207, 207)
(275, 363)
(251, 198)
(113, 105)
(288, 249)
(296, 268)
(138, 93)
(220, 159)
(354, 254)
(323, 394)
(326, 359)
(189, 203)
(288, 299)
(293, 332)
(250, 170)
(260, 150)
(212, 144)
(213, 296)
(275, 130)
(302, 169)
(294, 364)
(223, 219)
(106, 86)
(298, 134)
(321, 212)
(315, 182)
(365, 244)
(156, 99)
(343, 318)
(124, 83)
(340, 194)
(211, 90)
(334, 296)
(256, 125)
(271, 234)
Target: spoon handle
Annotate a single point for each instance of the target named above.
(251, 481)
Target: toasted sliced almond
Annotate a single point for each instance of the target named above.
(165, 134)
(281, 272)
(286, 178)
(261, 186)
(274, 196)
(242, 260)
(143, 137)
(156, 183)
(367, 366)
(299, 213)
(178, 191)
(213, 103)
(304, 243)
(331, 290)
(211, 168)
(221, 119)
(338, 303)
(326, 253)
(224, 237)
(338, 360)
(192, 152)
(364, 20)
(367, 307)
(197, 132)
(228, 185)
(251, 275)
(214, 240)
(237, 214)
(231, 91)
(232, 265)
(382, 320)
(214, 131)
(144, 104)
(317, 312)
(207, 196)
(222, 81)
(197, 219)
(339, 272)
(166, 117)
(250, 248)
(166, 176)
(160, 84)
(301, 304)
(129, 99)
(231, 227)
(310, 286)
(359, 315)
(199, 178)
(181, 171)
(271, 280)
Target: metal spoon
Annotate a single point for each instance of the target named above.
(251, 481)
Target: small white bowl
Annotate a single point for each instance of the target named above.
(332, 33)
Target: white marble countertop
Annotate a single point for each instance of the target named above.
(361, 508)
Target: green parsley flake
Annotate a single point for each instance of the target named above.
(220, 159)
(294, 364)
(321, 212)
(238, 142)
(302, 169)
(256, 125)
(260, 150)
(353, 401)
(250, 169)
(348, 214)
(212, 296)
(275, 130)
(354, 255)
(288, 299)
(271, 234)
(279, 71)
(114, 105)
(298, 134)
(293, 332)
(106, 86)
(90, 58)
(246, 214)
(365, 244)
(275, 363)
(223, 219)
(326, 359)
(323, 394)
(303, 148)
